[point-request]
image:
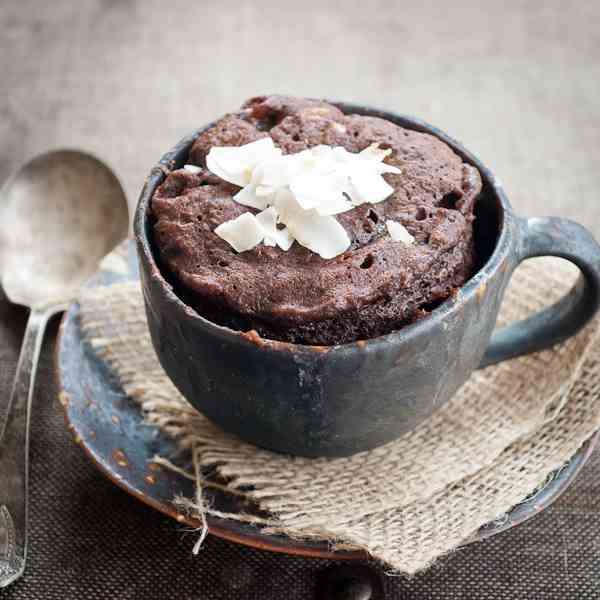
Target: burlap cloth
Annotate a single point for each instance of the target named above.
(415, 499)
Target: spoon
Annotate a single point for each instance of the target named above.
(60, 214)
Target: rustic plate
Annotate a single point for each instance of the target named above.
(110, 429)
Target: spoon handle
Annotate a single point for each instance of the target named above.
(14, 453)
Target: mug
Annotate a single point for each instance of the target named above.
(340, 400)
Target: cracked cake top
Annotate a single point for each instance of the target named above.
(375, 286)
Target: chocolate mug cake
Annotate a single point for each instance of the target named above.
(289, 252)
(377, 285)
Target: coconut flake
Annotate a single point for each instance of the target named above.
(320, 234)
(368, 186)
(286, 205)
(277, 171)
(274, 236)
(193, 169)
(398, 232)
(323, 192)
(284, 239)
(236, 163)
(242, 233)
(248, 197)
(303, 191)
(268, 220)
(374, 153)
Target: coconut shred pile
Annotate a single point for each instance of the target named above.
(298, 195)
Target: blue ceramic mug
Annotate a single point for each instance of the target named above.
(340, 400)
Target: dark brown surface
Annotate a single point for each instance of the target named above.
(375, 287)
(91, 540)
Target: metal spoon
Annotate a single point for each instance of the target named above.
(59, 215)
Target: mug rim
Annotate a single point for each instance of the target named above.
(175, 158)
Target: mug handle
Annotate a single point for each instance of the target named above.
(552, 236)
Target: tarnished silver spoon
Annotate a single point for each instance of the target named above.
(60, 214)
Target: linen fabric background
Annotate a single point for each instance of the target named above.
(517, 82)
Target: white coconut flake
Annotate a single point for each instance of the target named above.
(236, 163)
(368, 186)
(248, 197)
(323, 235)
(323, 192)
(374, 152)
(398, 232)
(302, 191)
(242, 233)
(385, 168)
(284, 239)
(274, 236)
(335, 205)
(321, 152)
(193, 169)
(277, 171)
(268, 220)
(286, 205)
(320, 234)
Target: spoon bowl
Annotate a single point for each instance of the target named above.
(60, 214)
